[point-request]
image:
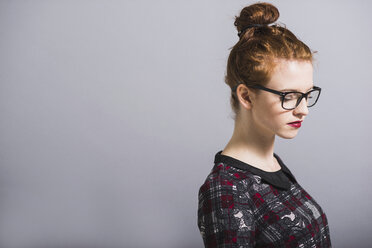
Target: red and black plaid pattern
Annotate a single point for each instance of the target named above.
(238, 209)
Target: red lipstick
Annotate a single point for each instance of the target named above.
(295, 124)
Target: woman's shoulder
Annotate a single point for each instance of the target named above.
(224, 177)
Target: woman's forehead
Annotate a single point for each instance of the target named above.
(292, 75)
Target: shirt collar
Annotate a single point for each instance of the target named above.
(278, 178)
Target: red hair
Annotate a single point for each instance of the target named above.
(254, 57)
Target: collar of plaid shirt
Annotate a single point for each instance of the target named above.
(280, 179)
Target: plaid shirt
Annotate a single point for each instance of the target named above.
(243, 206)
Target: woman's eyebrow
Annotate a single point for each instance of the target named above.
(296, 89)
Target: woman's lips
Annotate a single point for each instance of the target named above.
(295, 124)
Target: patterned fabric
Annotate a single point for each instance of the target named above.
(243, 206)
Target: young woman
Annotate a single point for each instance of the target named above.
(250, 198)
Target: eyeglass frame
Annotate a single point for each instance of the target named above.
(283, 94)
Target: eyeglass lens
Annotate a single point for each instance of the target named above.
(291, 99)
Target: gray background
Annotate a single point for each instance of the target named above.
(112, 112)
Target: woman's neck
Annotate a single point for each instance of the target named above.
(252, 145)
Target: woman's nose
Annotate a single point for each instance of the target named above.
(302, 107)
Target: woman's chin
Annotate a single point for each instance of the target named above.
(287, 135)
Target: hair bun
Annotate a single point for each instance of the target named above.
(258, 13)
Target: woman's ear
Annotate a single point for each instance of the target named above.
(245, 96)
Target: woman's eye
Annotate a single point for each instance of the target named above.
(289, 97)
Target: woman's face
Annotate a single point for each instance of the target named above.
(267, 112)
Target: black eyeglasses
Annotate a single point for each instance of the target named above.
(291, 99)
